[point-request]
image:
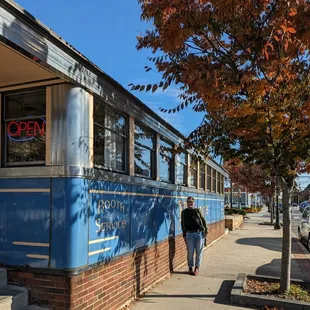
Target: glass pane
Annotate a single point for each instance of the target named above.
(165, 168)
(202, 168)
(181, 174)
(202, 180)
(115, 122)
(144, 136)
(194, 177)
(182, 158)
(209, 180)
(25, 105)
(143, 161)
(26, 140)
(165, 148)
(99, 114)
(114, 151)
(28, 151)
(98, 145)
(213, 180)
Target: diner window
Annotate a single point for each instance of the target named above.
(202, 176)
(166, 161)
(144, 151)
(24, 121)
(218, 177)
(110, 139)
(193, 173)
(209, 178)
(182, 169)
(222, 184)
(213, 180)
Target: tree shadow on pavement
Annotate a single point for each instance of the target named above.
(223, 295)
(273, 269)
(272, 244)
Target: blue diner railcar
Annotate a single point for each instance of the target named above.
(83, 178)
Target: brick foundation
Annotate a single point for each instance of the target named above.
(111, 285)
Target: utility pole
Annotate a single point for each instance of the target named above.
(231, 194)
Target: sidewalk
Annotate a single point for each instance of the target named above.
(253, 249)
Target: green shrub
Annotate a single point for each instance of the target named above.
(235, 211)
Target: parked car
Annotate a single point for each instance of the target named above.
(303, 205)
(294, 204)
(304, 227)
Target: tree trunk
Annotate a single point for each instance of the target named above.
(285, 280)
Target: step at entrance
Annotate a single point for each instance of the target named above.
(13, 298)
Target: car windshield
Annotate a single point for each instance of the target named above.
(305, 215)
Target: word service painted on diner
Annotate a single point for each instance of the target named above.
(108, 206)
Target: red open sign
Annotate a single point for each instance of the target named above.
(26, 130)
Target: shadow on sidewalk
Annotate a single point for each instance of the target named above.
(180, 272)
(223, 295)
(194, 296)
(273, 269)
(272, 244)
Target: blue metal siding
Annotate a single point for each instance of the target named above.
(92, 221)
(70, 223)
(24, 222)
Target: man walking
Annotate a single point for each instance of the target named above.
(194, 229)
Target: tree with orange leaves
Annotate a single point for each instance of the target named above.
(246, 65)
(251, 177)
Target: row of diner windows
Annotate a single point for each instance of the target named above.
(24, 115)
(111, 152)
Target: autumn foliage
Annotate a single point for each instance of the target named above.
(251, 177)
(245, 64)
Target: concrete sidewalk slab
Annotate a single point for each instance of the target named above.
(253, 249)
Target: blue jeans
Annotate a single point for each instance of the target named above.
(194, 241)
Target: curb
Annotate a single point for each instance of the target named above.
(243, 299)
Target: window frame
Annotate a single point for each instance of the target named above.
(153, 151)
(4, 139)
(106, 107)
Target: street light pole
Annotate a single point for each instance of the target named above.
(277, 224)
(231, 194)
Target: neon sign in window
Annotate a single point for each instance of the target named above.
(24, 115)
(21, 131)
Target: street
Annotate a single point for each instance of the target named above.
(296, 217)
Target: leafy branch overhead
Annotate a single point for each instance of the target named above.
(245, 64)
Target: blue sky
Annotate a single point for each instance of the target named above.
(105, 32)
